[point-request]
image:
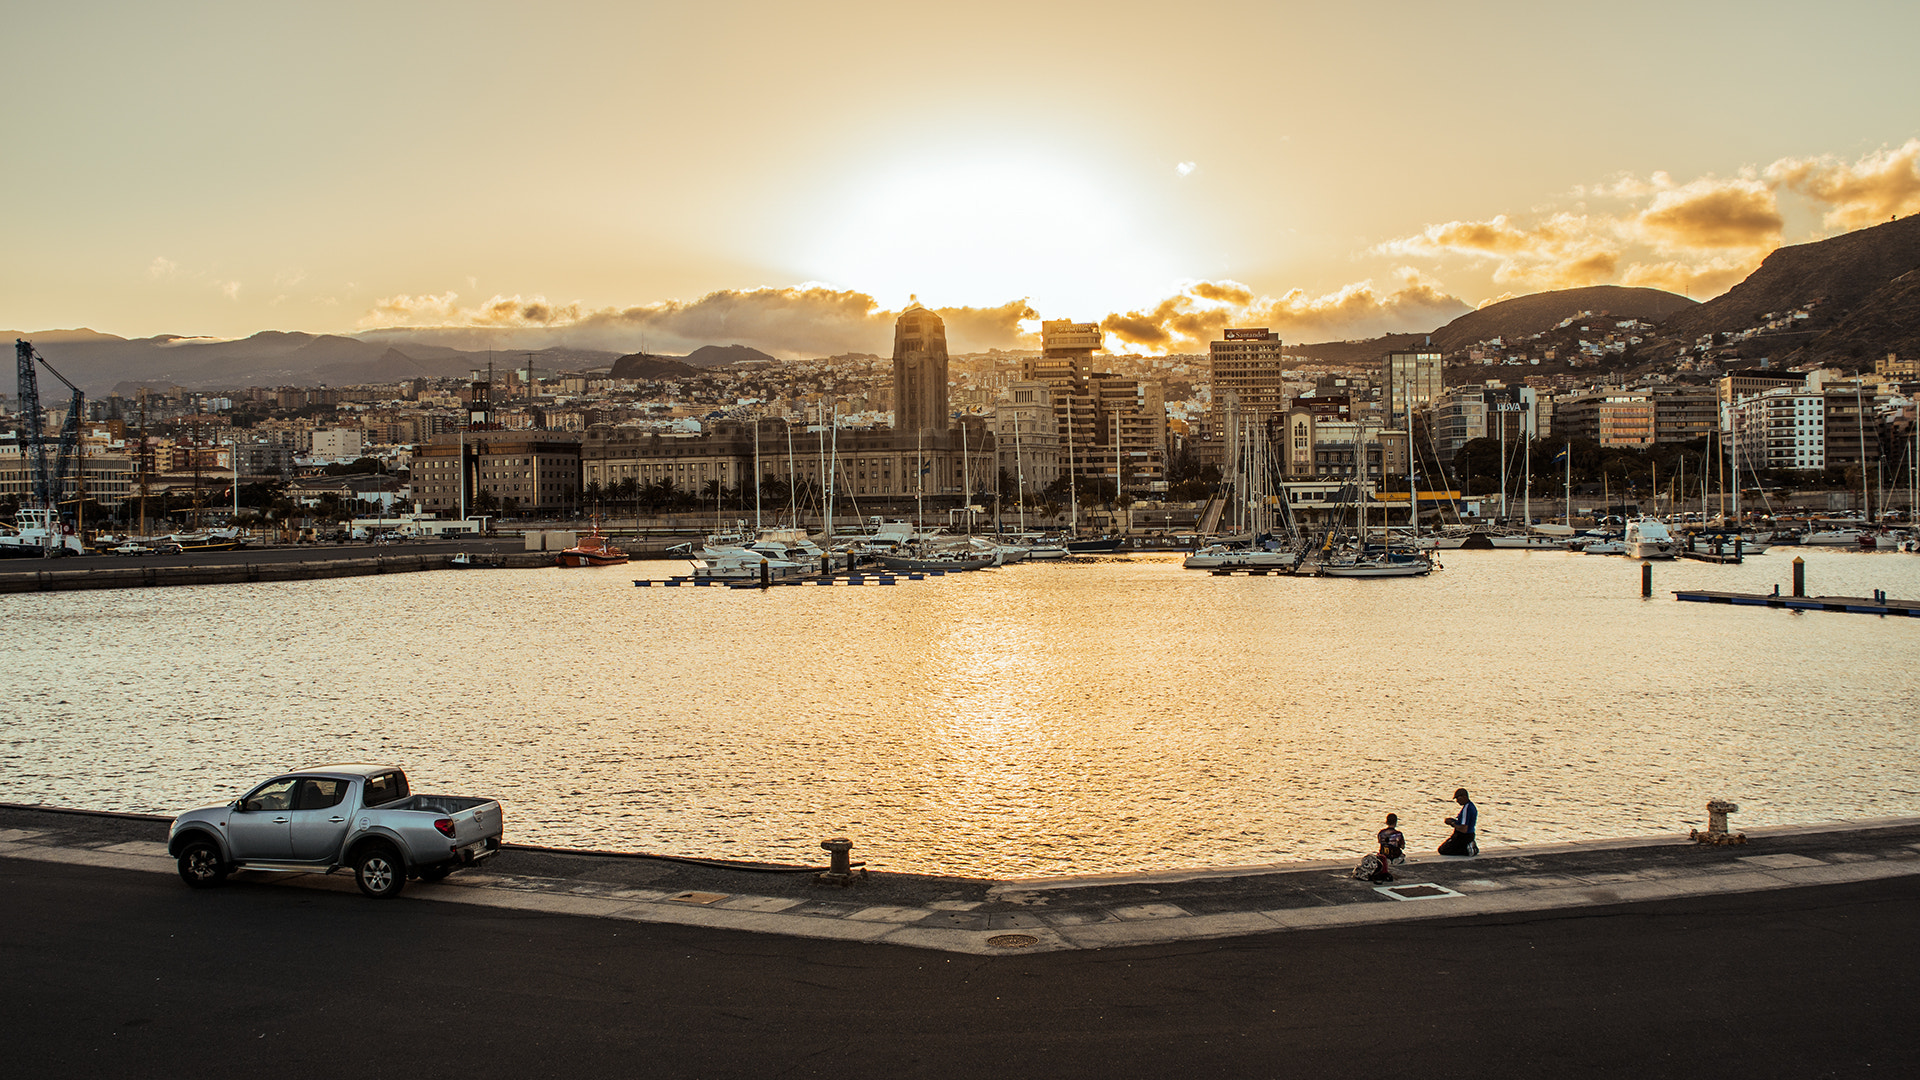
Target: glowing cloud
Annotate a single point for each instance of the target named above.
(1186, 321)
(1564, 251)
(1699, 237)
(1877, 187)
(801, 321)
(1710, 213)
(1185, 168)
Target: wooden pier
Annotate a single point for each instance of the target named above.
(1865, 605)
(1723, 558)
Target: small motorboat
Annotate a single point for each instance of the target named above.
(594, 549)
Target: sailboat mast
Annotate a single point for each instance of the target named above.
(1413, 485)
(1860, 425)
(1566, 506)
(1734, 467)
(966, 478)
(1019, 474)
(1503, 463)
(1073, 496)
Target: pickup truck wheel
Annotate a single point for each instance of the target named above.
(200, 865)
(379, 872)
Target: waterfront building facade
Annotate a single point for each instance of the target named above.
(1065, 365)
(1410, 378)
(1131, 433)
(1853, 433)
(1740, 384)
(1610, 418)
(1249, 388)
(105, 478)
(875, 463)
(1683, 414)
(1028, 436)
(518, 472)
(1486, 411)
(1780, 428)
(1109, 427)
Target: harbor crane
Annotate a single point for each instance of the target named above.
(49, 481)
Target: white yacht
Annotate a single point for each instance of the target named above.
(1648, 538)
(1239, 557)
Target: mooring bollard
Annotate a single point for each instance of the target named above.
(839, 869)
(1717, 811)
(1646, 579)
(766, 573)
(1799, 576)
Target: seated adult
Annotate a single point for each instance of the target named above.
(1464, 825)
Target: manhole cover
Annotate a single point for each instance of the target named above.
(1422, 891)
(1012, 941)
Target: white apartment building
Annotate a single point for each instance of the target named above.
(337, 444)
(1782, 428)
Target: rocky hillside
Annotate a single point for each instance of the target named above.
(648, 366)
(1524, 316)
(1887, 320)
(1848, 279)
(709, 356)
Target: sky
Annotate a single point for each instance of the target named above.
(637, 175)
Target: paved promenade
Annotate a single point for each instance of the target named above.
(978, 917)
(1790, 957)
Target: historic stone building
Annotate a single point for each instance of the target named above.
(920, 404)
(520, 472)
(861, 463)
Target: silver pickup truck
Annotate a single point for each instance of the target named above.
(334, 816)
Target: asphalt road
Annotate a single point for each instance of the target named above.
(295, 553)
(123, 974)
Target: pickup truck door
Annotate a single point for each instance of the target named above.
(320, 818)
(261, 827)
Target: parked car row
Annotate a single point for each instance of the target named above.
(146, 549)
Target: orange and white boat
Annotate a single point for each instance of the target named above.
(594, 549)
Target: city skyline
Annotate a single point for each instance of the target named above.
(627, 176)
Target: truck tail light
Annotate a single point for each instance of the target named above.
(445, 825)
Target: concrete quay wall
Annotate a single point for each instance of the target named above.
(41, 579)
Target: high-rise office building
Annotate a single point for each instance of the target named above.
(1247, 364)
(1412, 378)
(1248, 388)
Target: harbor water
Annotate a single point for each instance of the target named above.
(1101, 716)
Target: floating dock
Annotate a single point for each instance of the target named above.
(842, 578)
(1720, 557)
(1877, 604)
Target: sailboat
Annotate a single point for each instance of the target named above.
(1544, 536)
(1388, 563)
